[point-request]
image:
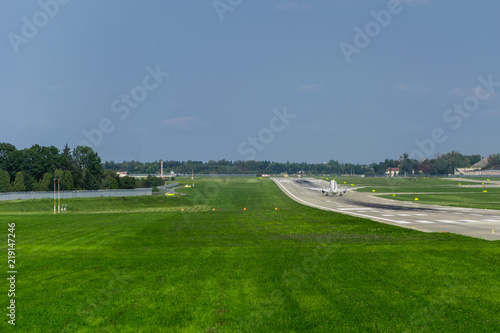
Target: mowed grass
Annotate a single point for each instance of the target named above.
(404, 185)
(429, 190)
(143, 265)
(476, 199)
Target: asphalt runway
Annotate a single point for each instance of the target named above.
(479, 223)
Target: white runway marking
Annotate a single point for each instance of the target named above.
(447, 221)
(424, 221)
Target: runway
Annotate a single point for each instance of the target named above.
(479, 223)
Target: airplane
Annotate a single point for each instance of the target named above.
(334, 189)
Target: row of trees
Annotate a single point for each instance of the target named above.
(35, 168)
(443, 164)
(440, 165)
(493, 162)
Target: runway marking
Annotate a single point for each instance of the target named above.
(420, 214)
(491, 220)
(447, 221)
(404, 215)
(402, 222)
(424, 221)
(469, 221)
(387, 215)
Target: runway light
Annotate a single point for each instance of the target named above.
(213, 209)
(442, 231)
(275, 208)
(244, 209)
(182, 209)
(493, 231)
(413, 227)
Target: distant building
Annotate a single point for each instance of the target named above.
(392, 172)
(266, 175)
(474, 170)
(122, 173)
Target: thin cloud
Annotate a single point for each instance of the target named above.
(456, 92)
(179, 123)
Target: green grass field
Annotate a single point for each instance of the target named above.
(144, 265)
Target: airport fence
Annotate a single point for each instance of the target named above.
(75, 194)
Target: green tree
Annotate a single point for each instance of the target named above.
(127, 182)
(110, 183)
(67, 181)
(29, 182)
(46, 183)
(4, 181)
(18, 185)
(90, 182)
(58, 174)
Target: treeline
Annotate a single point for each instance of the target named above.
(81, 168)
(35, 168)
(493, 162)
(443, 164)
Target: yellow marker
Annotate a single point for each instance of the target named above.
(482, 183)
(275, 208)
(459, 183)
(352, 184)
(260, 177)
(493, 231)
(485, 191)
(345, 182)
(413, 227)
(487, 179)
(416, 199)
(373, 190)
(393, 195)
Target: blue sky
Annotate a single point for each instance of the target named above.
(271, 81)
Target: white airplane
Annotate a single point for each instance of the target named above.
(333, 190)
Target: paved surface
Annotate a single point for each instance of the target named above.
(479, 223)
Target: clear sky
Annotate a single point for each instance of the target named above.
(306, 81)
